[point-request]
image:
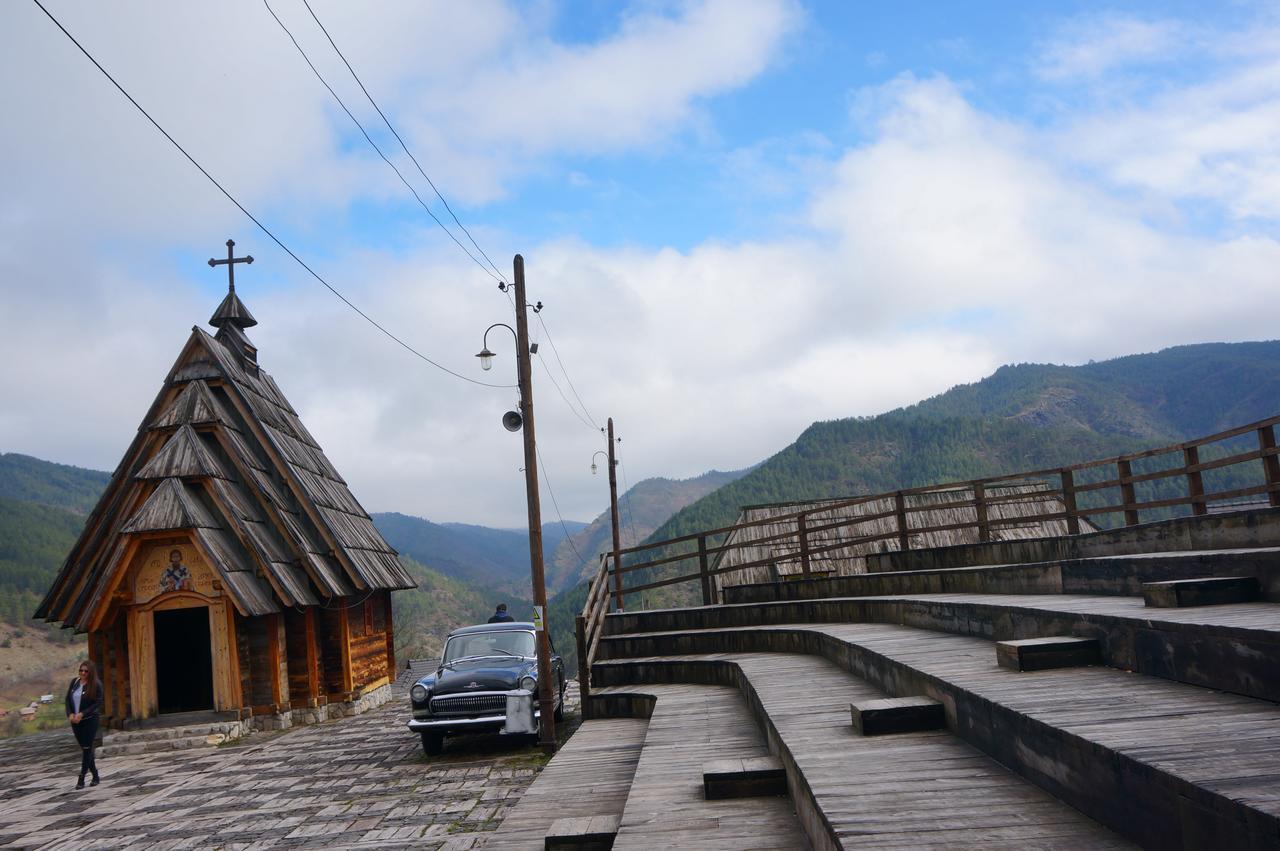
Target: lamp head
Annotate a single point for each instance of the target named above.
(593, 468)
(486, 358)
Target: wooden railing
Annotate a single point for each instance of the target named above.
(1068, 495)
(588, 628)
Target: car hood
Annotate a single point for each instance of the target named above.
(487, 674)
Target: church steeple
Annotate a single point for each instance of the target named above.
(232, 310)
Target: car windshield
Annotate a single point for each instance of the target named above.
(506, 643)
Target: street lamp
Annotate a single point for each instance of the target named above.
(523, 420)
(613, 514)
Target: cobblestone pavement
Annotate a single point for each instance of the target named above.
(358, 782)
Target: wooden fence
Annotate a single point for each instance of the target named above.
(1113, 491)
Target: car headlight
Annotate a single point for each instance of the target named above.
(529, 683)
(419, 693)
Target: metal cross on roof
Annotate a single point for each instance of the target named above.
(230, 263)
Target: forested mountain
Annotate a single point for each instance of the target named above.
(495, 558)
(641, 510)
(28, 479)
(34, 540)
(1021, 417)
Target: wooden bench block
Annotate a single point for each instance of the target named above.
(1040, 654)
(897, 715)
(1212, 591)
(585, 833)
(754, 777)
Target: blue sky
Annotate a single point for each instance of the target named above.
(759, 212)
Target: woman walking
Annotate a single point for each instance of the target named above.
(84, 704)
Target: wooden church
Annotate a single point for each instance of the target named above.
(227, 568)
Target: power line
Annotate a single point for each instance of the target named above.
(631, 521)
(547, 480)
(251, 217)
(374, 145)
(547, 369)
(397, 135)
(556, 352)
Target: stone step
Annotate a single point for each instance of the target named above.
(1043, 654)
(1166, 764)
(157, 739)
(1231, 648)
(897, 715)
(1123, 575)
(1214, 591)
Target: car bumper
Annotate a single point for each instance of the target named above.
(490, 722)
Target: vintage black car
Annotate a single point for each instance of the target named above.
(481, 667)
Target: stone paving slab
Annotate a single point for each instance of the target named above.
(359, 782)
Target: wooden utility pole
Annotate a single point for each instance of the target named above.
(613, 510)
(546, 688)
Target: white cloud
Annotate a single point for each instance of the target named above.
(1094, 44)
(947, 241)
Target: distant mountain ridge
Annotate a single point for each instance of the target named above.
(29, 479)
(495, 558)
(641, 510)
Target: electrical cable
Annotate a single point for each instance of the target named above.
(547, 481)
(398, 139)
(631, 521)
(374, 145)
(556, 352)
(251, 217)
(547, 369)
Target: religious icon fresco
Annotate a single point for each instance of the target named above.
(175, 577)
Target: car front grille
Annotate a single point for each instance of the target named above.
(469, 704)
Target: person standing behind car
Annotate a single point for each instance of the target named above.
(500, 615)
(84, 705)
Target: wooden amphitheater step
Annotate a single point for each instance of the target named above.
(1102, 575)
(753, 777)
(909, 790)
(1231, 647)
(1043, 654)
(897, 715)
(1166, 764)
(589, 777)
(1215, 591)
(582, 833)
(689, 726)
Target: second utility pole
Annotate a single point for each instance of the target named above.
(546, 698)
(613, 511)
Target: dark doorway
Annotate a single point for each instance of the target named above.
(184, 663)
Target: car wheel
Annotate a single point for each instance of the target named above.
(560, 704)
(433, 743)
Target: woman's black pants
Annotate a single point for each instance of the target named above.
(86, 731)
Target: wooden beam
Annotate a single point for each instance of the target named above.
(344, 640)
(1127, 496)
(313, 655)
(1195, 484)
(1270, 463)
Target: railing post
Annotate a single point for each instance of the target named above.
(1069, 501)
(708, 587)
(900, 506)
(1195, 484)
(584, 667)
(1270, 463)
(1127, 496)
(617, 582)
(803, 531)
(980, 508)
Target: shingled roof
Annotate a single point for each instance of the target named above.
(223, 457)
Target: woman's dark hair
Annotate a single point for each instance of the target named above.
(94, 682)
